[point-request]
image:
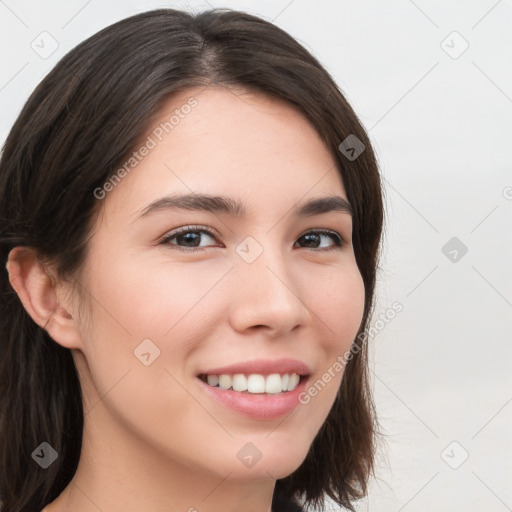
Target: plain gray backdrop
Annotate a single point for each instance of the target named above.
(432, 83)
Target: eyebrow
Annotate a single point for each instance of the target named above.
(229, 206)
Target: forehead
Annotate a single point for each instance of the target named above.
(229, 142)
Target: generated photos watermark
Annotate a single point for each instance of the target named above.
(152, 141)
(341, 361)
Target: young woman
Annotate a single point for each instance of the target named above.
(190, 224)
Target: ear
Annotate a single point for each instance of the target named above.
(37, 290)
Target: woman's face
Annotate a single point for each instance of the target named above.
(265, 291)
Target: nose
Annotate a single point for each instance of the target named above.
(268, 296)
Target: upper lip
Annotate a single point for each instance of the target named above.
(262, 366)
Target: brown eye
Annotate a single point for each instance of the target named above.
(312, 239)
(187, 238)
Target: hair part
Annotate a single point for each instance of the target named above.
(78, 126)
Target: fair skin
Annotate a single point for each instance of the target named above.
(153, 438)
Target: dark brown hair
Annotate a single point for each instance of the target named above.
(78, 126)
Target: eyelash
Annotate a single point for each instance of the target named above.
(340, 241)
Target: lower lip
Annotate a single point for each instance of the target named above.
(257, 406)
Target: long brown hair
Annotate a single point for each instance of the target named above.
(78, 126)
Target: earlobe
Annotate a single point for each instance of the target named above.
(37, 290)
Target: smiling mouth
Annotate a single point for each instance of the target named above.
(255, 383)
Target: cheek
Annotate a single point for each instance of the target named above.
(155, 301)
(339, 308)
(351, 301)
(158, 316)
(163, 313)
(339, 305)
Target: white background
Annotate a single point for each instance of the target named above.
(441, 127)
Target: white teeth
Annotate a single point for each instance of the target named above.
(213, 380)
(294, 380)
(239, 382)
(224, 381)
(256, 383)
(273, 383)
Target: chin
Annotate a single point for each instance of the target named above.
(277, 465)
